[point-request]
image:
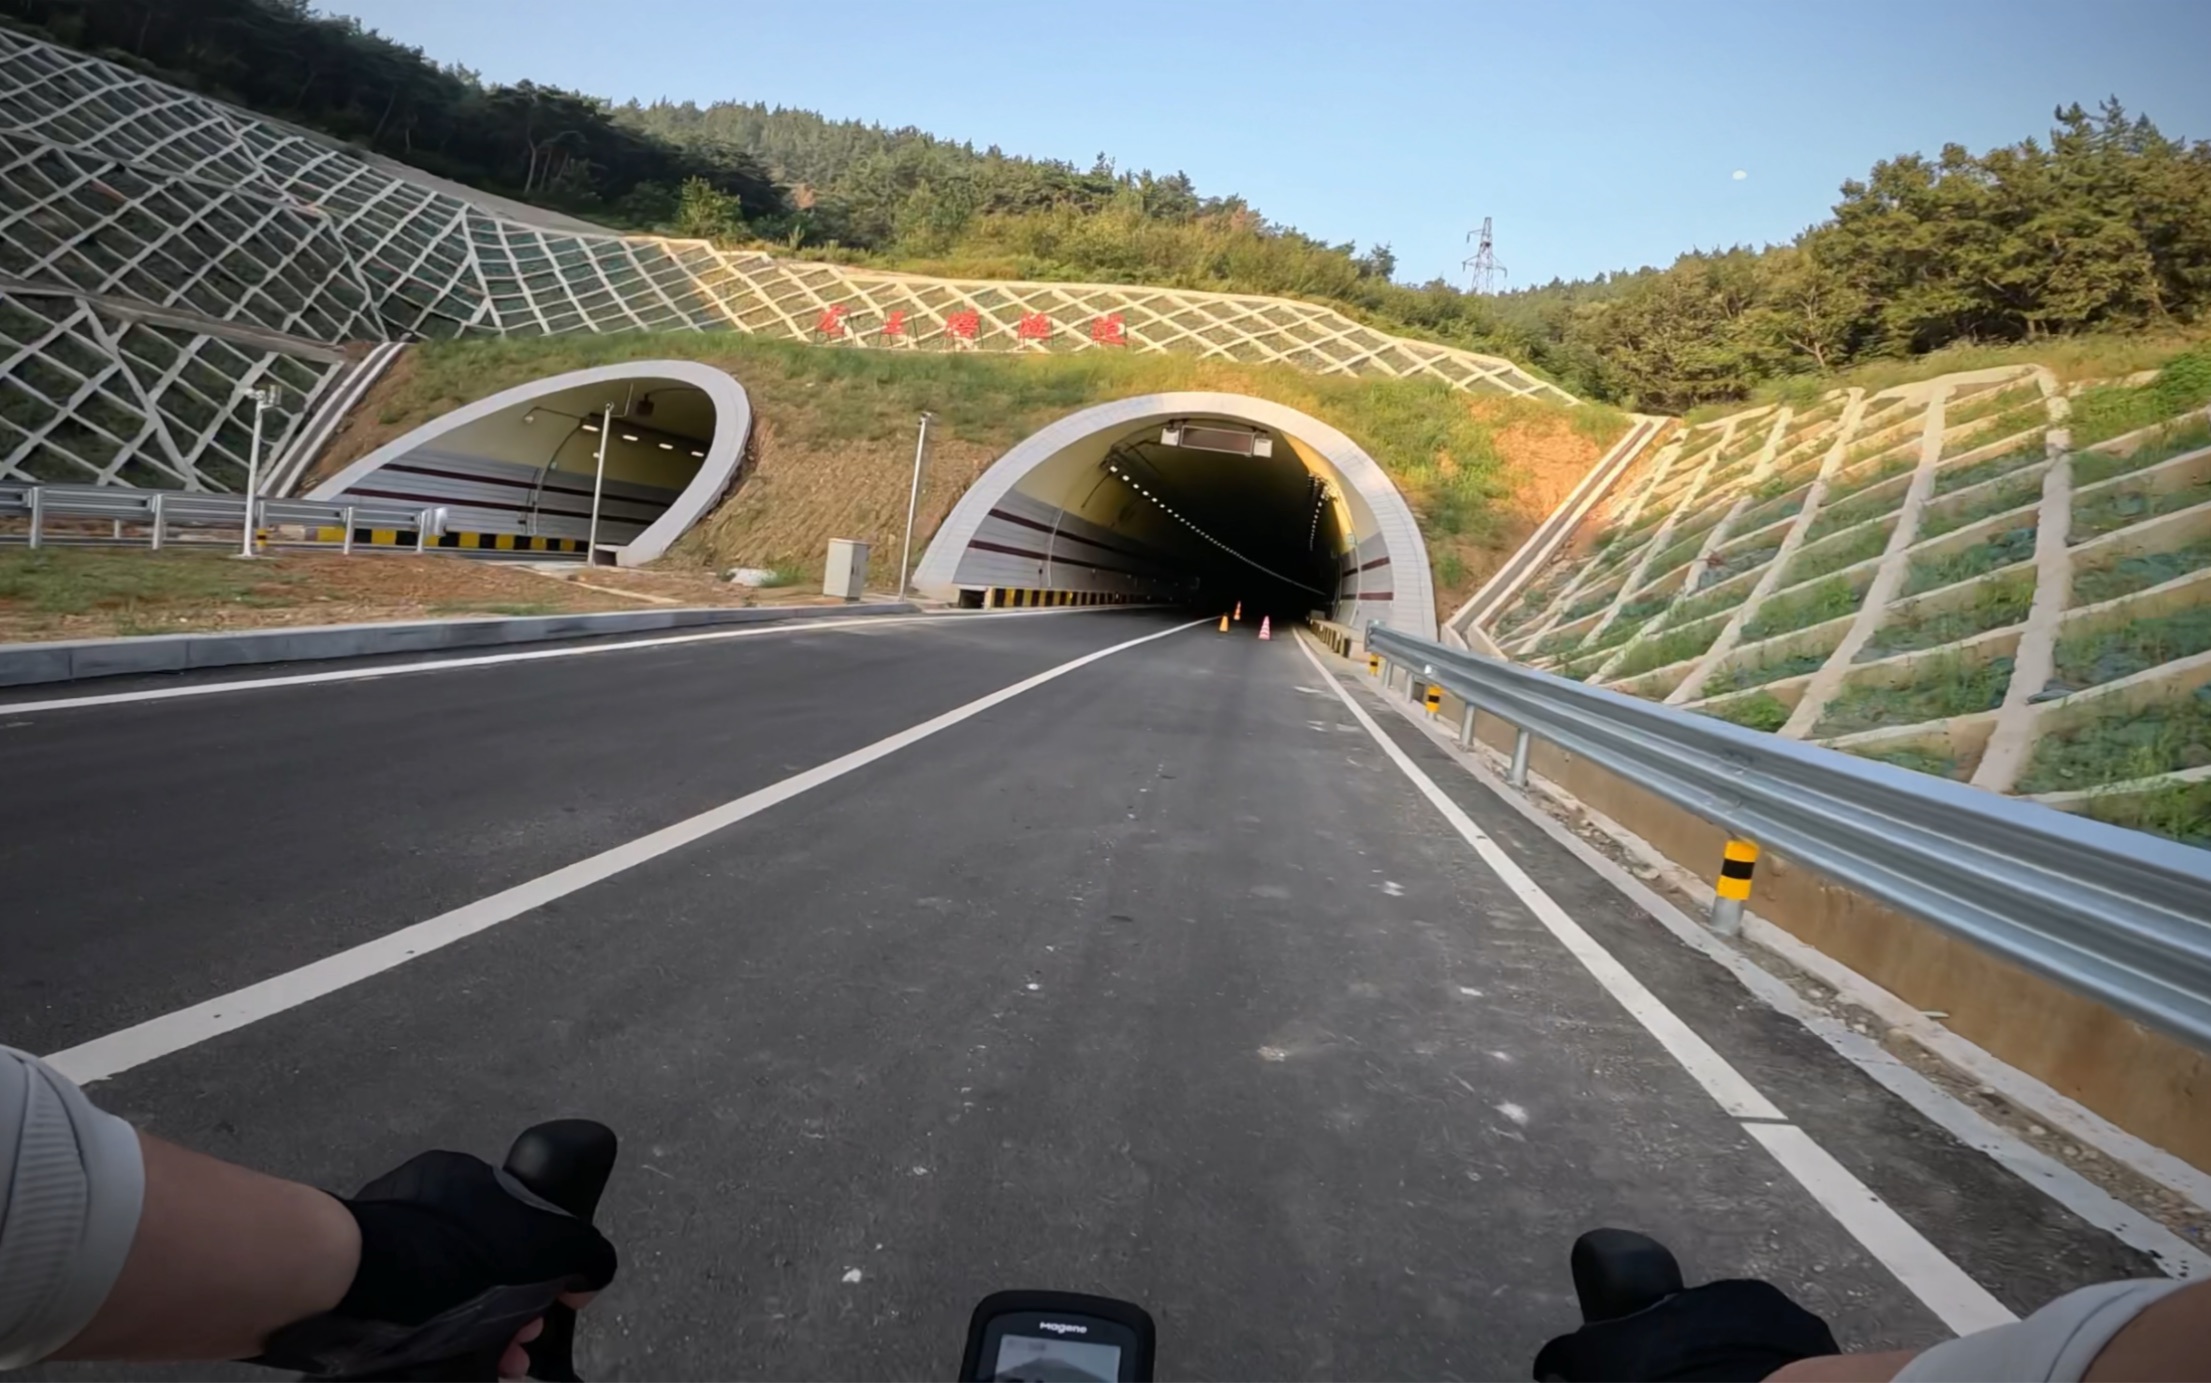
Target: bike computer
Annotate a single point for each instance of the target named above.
(1057, 1337)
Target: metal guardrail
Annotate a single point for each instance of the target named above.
(2119, 916)
(162, 513)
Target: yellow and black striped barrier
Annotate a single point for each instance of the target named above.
(462, 542)
(1335, 636)
(1732, 889)
(1433, 700)
(1374, 665)
(1022, 598)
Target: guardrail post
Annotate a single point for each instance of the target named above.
(158, 505)
(1732, 889)
(422, 530)
(38, 507)
(346, 544)
(1518, 777)
(1466, 727)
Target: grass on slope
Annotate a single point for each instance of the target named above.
(122, 592)
(834, 434)
(2123, 746)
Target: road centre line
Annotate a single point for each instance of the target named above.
(307, 679)
(119, 1051)
(1946, 1289)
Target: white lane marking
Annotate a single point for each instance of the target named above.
(2175, 1257)
(1963, 1304)
(1736, 1095)
(173, 1032)
(1940, 1284)
(308, 679)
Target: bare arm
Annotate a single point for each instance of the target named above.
(2169, 1341)
(223, 1256)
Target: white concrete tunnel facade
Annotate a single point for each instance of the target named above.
(478, 489)
(990, 538)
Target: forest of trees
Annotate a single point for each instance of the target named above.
(2103, 226)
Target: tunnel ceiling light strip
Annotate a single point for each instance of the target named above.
(1132, 483)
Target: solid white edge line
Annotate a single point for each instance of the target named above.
(1723, 1082)
(308, 679)
(2175, 1256)
(1944, 1288)
(119, 1051)
(1947, 1289)
(2057, 1180)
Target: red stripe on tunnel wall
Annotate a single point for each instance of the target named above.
(975, 543)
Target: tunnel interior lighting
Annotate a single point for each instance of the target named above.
(590, 427)
(667, 446)
(700, 454)
(629, 436)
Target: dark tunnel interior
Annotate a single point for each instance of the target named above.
(1231, 510)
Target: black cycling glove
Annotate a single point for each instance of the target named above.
(455, 1258)
(1716, 1333)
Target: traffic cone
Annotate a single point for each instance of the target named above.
(1224, 624)
(1239, 612)
(1266, 628)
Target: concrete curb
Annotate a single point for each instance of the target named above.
(25, 664)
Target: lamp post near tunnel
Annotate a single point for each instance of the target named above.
(598, 486)
(913, 502)
(264, 398)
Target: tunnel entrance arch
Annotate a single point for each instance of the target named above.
(1102, 501)
(516, 471)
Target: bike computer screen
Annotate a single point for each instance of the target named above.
(1057, 1337)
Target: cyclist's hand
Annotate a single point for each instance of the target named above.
(458, 1260)
(1720, 1331)
(514, 1360)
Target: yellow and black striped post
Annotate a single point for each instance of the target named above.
(1433, 700)
(1732, 889)
(1374, 665)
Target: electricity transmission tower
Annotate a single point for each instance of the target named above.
(1483, 265)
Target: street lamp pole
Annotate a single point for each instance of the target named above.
(598, 486)
(263, 398)
(913, 503)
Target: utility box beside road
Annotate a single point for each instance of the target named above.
(847, 577)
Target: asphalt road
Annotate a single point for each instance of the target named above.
(1157, 979)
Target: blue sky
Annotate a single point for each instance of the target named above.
(1600, 135)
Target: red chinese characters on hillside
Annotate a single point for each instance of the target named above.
(965, 325)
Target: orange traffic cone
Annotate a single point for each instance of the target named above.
(1239, 611)
(1266, 628)
(1224, 624)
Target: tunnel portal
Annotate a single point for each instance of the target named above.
(1200, 498)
